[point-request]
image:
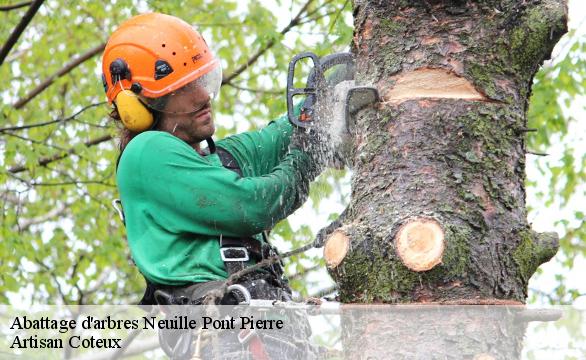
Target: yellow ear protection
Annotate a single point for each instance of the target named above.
(134, 114)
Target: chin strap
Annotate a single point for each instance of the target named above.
(211, 145)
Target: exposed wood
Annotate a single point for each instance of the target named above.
(420, 244)
(431, 83)
(18, 30)
(336, 248)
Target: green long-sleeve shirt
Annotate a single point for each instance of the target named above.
(178, 202)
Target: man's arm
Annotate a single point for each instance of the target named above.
(257, 152)
(189, 194)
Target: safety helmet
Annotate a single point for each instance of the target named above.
(151, 56)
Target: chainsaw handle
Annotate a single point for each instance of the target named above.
(328, 61)
(310, 89)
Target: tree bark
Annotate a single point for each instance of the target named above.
(438, 198)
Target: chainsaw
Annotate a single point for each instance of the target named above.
(337, 87)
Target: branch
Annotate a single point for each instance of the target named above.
(62, 120)
(16, 55)
(15, 6)
(64, 70)
(54, 277)
(294, 22)
(310, 20)
(28, 16)
(317, 9)
(536, 153)
(48, 160)
(73, 182)
(27, 223)
(272, 92)
(34, 141)
(301, 274)
(338, 16)
(43, 143)
(99, 282)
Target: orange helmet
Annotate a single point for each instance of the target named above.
(154, 55)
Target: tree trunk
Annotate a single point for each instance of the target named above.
(438, 198)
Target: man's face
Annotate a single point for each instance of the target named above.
(188, 114)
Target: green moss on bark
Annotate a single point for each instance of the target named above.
(385, 279)
(527, 41)
(374, 279)
(534, 250)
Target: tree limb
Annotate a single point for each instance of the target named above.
(28, 16)
(54, 277)
(301, 274)
(45, 123)
(64, 70)
(43, 143)
(50, 159)
(15, 6)
(294, 22)
(272, 92)
(337, 16)
(27, 223)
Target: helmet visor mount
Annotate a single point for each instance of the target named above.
(190, 98)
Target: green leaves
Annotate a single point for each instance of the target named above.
(59, 235)
(554, 111)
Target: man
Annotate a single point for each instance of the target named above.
(194, 216)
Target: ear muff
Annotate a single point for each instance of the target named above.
(134, 114)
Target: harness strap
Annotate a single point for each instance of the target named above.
(236, 252)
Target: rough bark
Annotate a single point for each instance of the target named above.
(445, 145)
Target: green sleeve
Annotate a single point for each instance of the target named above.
(258, 152)
(192, 193)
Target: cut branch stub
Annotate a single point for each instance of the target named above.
(420, 244)
(336, 248)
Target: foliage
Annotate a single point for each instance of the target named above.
(61, 242)
(556, 92)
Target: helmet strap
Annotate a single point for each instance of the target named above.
(211, 145)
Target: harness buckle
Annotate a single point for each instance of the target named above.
(229, 257)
